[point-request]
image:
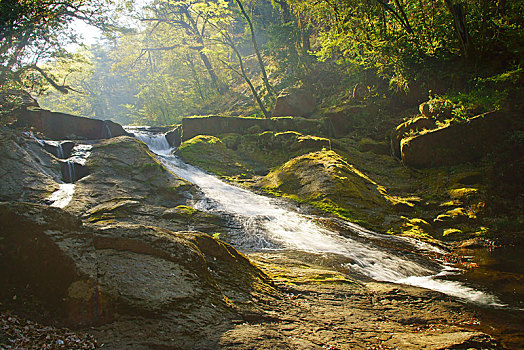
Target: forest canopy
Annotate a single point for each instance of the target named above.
(174, 58)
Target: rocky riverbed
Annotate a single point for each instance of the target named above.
(129, 262)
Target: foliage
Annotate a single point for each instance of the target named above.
(35, 31)
(401, 40)
(492, 93)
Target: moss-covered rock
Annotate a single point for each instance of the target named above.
(417, 228)
(326, 181)
(456, 143)
(410, 127)
(219, 125)
(210, 153)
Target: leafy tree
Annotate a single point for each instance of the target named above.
(35, 31)
(400, 38)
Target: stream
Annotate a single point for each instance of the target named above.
(269, 224)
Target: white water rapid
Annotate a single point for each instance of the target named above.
(268, 225)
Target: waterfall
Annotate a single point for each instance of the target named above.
(60, 150)
(71, 171)
(107, 131)
(61, 197)
(268, 225)
(155, 141)
(79, 154)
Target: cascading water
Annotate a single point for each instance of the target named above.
(60, 150)
(71, 171)
(154, 141)
(79, 154)
(107, 131)
(268, 225)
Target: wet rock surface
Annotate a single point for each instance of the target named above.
(88, 276)
(323, 309)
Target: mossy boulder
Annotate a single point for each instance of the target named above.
(210, 153)
(325, 180)
(456, 143)
(407, 128)
(219, 125)
(417, 228)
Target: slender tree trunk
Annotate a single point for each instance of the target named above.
(255, 46)
(305, 44)
(195, 76)
(403, 13)
(459, 22)
(210, 70)
(203, 56)
(243, 74)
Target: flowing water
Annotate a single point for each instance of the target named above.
(267, 224)
(61, 197)
(79, 154)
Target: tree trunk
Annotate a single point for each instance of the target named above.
(195, 76)
(459, 22)
(285, 11)
(243, 74)
(210, 70)
(203, 56)
(255, 47)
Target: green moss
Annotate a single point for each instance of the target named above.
(151, 166)
(451, 232)
(327, 182)
(417, 228)
(211, 154)
(463, 193)
(185, 210)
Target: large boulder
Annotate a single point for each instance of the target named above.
(27, 170)
(325, 180)
(456, 143)
(413, 125)
(59, 126)
(212, 154)
(88, 275)
(295, 103)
